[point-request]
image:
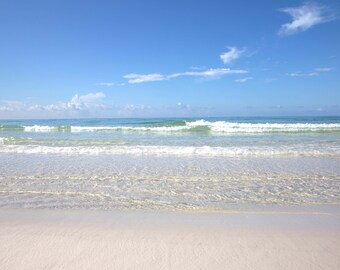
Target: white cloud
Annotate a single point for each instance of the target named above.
(242, 80)
(108, 84)
(88, 101)
(316, 72)
(129, 110)
(305, 17)
(214, 72)
(299, 74)
(324, 69)
(136, 107)
(11, 105)
(233, 54)
(140, 78)
(89, 98)
(77, 104)
(226, 57)
(208, 73)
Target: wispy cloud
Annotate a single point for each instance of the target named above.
(315, 72)
(209, 72)
(140, 78)
(108, 84)
(300, 74)
(305, 17)
(233, 54)
(242, 80)
(324, 69)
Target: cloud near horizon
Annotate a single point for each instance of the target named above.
(305, 17)
(140, 78)
(77, 103)
(79, 106)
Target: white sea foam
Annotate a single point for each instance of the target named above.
(217, 126)
(37, 128)
(6, 140)
(126, 128)
(171, 150)
(234, 127)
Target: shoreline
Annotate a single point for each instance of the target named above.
(85, 239)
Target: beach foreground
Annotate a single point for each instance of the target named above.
(46, 239)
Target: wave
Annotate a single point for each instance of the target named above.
(235, 127)
(189, 126)
(164, 150)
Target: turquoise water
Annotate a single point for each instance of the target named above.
(169, 164)
(309, 136)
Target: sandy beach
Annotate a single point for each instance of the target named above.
(169, 135)
(46, 239)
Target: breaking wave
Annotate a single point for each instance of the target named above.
(189, 126)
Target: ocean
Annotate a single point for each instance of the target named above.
(209, 164)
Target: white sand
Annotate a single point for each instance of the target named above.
(36, 239)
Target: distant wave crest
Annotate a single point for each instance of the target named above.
(198, 126)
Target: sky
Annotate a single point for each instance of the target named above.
(98, 58)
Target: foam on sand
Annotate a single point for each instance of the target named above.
(165, 150)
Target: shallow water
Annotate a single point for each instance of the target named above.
(169, 164)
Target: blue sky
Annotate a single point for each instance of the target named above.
(62, 59)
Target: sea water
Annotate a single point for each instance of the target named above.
(169, 164)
